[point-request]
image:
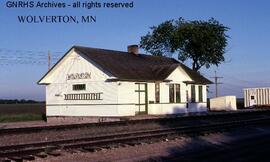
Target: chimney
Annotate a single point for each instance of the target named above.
(134, 49)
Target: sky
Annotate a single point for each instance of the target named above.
(24, 47)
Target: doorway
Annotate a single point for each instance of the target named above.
(142, 100)
(252, 100)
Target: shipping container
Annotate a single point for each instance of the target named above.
(256, 96)
(224, 103)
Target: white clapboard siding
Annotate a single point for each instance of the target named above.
(118, 98)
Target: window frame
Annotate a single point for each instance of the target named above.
(157, 92)
(79, 87)
(200, 91)
(177, 93)
(171, 93)
(193, 93)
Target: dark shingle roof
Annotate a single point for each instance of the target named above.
(128, 66)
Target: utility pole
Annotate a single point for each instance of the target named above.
(49, 60)
(216, 82)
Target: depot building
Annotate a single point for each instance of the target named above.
(91, 82)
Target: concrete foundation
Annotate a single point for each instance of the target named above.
(70, 119)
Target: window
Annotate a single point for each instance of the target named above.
(252, 97)
(157, 92)
(200, 94)
(174, 92)
(84, 96)
(193, 98)
(177, 92)
(187, 98)
(78, 87)
(171, 93)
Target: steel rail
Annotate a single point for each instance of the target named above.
(124, 121)
(105, 140)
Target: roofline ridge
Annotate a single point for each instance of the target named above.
(79, 46)
(76, 46)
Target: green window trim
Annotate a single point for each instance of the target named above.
(78, 87)
(177, 93)
(157, 92)
(193, 93)
(174, 93)
(200, 93)
(171, 93)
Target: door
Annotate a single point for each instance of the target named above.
(142, 98)
(187, 99)
(252, 97)
(252, 100)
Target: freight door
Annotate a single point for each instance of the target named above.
(252, 97)
(252, 101)
(142, 98)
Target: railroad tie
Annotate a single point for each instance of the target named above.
(54, 153)
(29, 157)
(92, 149)
(132, 143)
(42, 155)
(6, 160)
(16, 158)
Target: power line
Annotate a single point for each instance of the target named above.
(24, 51)
(49, 60)
(14, 57)
(237, 90)
(246, 81)
(216, 82)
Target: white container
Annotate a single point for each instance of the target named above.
(256, 96)
(224, 103)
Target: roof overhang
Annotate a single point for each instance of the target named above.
(189, 82)
(194, 82)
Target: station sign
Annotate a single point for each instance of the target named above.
(75, 76)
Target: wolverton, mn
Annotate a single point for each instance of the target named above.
(57, 19)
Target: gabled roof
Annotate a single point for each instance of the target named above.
(141, 67)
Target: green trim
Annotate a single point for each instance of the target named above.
(170, 103)
(140, 113)
(197, 102)
(145, 104)
(115, 104)
(87, 104)
(139, 104)
(200, 91)
(140, 90)
(175, 103)
(146, 98)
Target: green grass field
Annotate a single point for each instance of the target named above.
(21, 112)
(19, 117)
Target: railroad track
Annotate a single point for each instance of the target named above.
(29, 150)
(124, 121)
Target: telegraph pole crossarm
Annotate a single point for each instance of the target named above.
(216, 82)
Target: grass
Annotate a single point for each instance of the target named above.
(10, 109)
(19, 117)
(21, 112)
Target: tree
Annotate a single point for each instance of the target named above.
(203, 42)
